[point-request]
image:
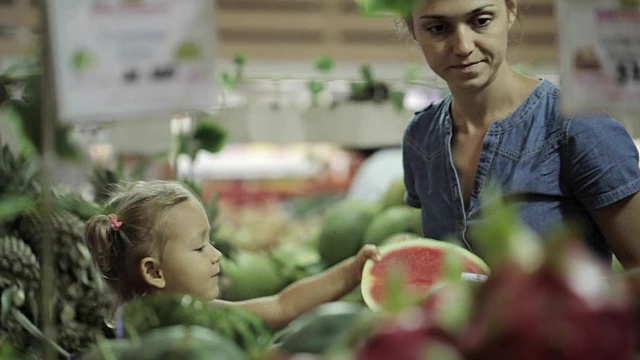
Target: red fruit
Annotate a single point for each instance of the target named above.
(410, 336)
(542, 316)
(421, 264)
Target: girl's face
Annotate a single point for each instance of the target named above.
(189, 263)
(463, 41)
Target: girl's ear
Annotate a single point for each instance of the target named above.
(151, 273)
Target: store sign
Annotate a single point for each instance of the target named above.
(121, 59)
(599, 55)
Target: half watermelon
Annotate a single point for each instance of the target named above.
(420, 262)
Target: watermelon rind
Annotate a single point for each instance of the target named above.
(368, 279)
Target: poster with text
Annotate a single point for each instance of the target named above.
(121, 59)
(599, 51)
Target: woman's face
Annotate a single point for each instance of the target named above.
(463, 41)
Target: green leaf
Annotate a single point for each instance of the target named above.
(25, 143)
(12, 206)
(228, 80)
(140, 168)
(324, 64)
(209, 136)
(63, 146)
(6, 301)
(412, 74)
(397, 99)
(374, 8)
(315, 86)
(240, 59)
(501, 236)
(33, 330)
(367, 73)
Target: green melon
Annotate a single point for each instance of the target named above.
(394, 194)
(342, 230)
(316, 331)
(420, 262)
(184, 342)
(249, 275)
(399, 237)
(396, 219)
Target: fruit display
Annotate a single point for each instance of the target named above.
(343, 229)
(529, 298)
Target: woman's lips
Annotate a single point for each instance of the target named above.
(467, 67)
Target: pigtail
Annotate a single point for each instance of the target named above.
(107, 242)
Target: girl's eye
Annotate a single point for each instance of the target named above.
(201, 248)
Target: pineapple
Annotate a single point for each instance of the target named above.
(19, 278)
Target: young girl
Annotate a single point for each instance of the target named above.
(499, 127)
(157, 240)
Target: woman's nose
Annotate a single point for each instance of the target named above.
(462, 41)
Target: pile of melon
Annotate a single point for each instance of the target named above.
(351, 223)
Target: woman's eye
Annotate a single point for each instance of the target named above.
(201, 248)
(483, 21)
(436, 29)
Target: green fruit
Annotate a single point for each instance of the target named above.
(396, 219)
(342, 230)
(251, 275)
(399, 237)
(185, 343)
(318, 330)
(150, 312)
(107, 349)
(394, 194)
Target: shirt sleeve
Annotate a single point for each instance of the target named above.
(603, 161)
(410, 196)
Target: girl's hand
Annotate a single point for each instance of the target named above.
(368, 251)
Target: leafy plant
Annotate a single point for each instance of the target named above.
(25, 116)
(369, 88)
(231, 79)
(400, 8)
(324, 64)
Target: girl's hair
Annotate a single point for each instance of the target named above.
(117, 246)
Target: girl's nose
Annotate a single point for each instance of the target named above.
(216, 255)
(462, 41)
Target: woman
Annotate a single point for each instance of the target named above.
(499, 127)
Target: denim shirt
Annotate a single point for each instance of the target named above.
(556, 168)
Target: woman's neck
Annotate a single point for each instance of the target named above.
(477, 109)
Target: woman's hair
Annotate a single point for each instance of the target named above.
(117, 246)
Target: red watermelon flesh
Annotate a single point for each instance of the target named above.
(421, 263)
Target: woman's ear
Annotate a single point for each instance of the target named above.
(151, 272)
(512, 10)
(410, 28)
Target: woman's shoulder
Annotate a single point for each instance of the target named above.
(431, 115)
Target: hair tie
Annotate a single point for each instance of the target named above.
(114, 224)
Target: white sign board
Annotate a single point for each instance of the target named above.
(120, 59)
(599, 55)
